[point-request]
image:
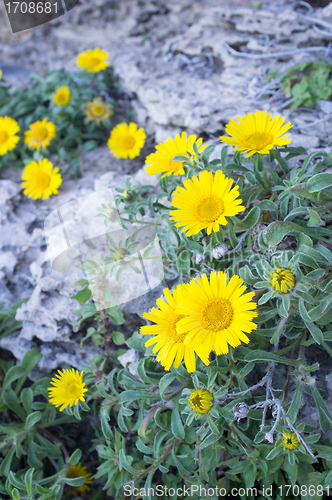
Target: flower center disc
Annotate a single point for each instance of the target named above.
(93, 61)
(258, 140)
(3, 137)
(98, 110)
(73, 390)
(39, 133)
(218, 315)
(210, 209)
(43, 180)
(196, 401)
(128, 142)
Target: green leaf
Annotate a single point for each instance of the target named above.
(277, 230)
(249, 221)
(165, 381)
(104, 419)
(240, 467)
(118, 338)
(6, 463)
(137, 342)
(87, 146)
(14, 373)
(14, 481)
(16, 494)
(324, 451)
(129, 396)
(126, 465)
(27, 399)
(315, 332)
(74, 457)
(267, 205)
(319, 182)
(182, 471)
(116, 315)
(33, 460)
(90, 331)
(176, 422)
(11, 401)
(30, 359)
(157, 441)
(83, 295)
(32, 419)
(208, 441)
(283, 163)
(183, 262)
(224, 152)
(28, 480)
(314, 220)
(75, 481)
(274, 452)
(303, 312)
(296, 402)
(259, 355)
(324, 414)
(291, 470)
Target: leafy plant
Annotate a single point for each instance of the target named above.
(306, 83)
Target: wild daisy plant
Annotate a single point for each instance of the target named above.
(226, 363)
(247, 255)
(60, 115)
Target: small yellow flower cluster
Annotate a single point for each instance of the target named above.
(40, 179)
(200, 317)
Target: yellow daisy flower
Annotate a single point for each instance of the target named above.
(62, 96)
(205, 202)
(289, 440)
(0, 74)
(169, 342)
(162, 160)
(97, 111)
(201, 401)
(40, 134)
(126, 141)
(68, 389)
(257, 133)
(282, 280)
(217, 313)
(79, 470)
(41, 180)
(93, 60)
(8, 139)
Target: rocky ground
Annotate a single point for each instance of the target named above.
(183, 66)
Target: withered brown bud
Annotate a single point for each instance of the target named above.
(241, 410)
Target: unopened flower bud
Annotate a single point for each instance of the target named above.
(241, 410)
(199, 258)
